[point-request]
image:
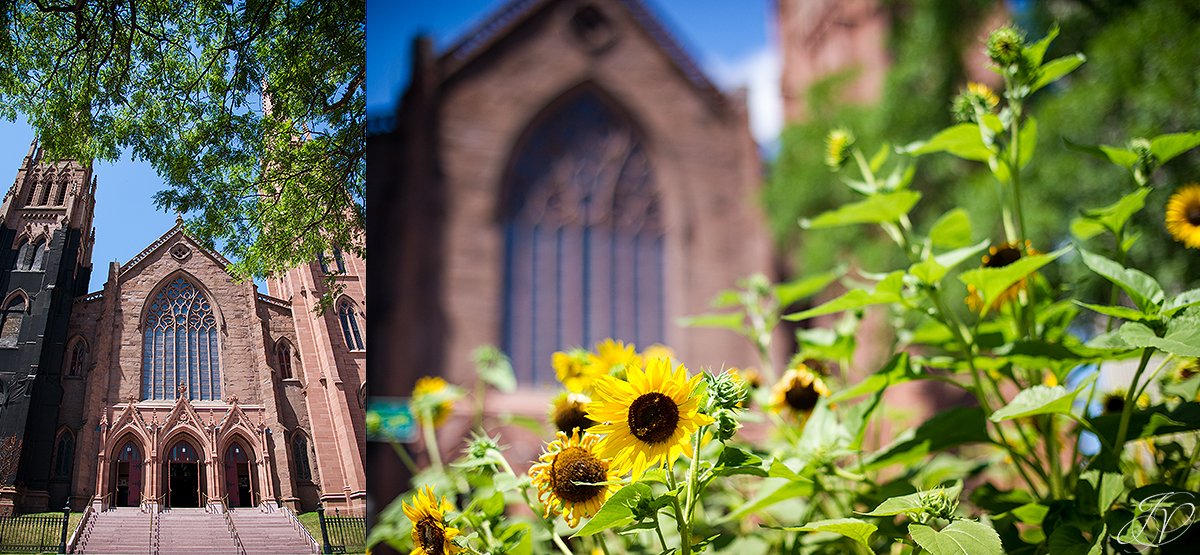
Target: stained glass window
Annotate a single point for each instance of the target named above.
(283, 351)
(348, 316)
(341, 262)
(39, 256)
(300, 457)
(79, 359)
(64, 455)
(180, 351)
(583, 235)
(10, 321)
(24, 256)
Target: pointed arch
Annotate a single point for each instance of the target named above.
(286, 357)
(60, 197)
(238, 462)
(128, 454)
(181, 350)
(78, 357)
(48, 180)
(24, 257)
(583, 231)
(339, 260)
(13, 313)
(301, 456)
(64, 453)
(348, 315)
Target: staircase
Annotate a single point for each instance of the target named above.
(193, 531)
(119, 530)
(270, 533)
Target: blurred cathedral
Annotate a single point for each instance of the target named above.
(176, 385)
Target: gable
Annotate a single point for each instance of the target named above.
(179, 250)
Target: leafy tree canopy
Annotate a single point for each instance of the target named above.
(275, 178)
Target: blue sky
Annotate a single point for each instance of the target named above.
(732, 40)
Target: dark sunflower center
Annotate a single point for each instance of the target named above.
(802, 398)
(1193, 215)
(1114, 404)
(572, 416)
(1004, 256)
(431, 536)
(653, 417)
(571, 470)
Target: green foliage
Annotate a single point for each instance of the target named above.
(180, 85)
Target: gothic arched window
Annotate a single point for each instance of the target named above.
(283, 352)
(47, 184)
(341, 262)
(64, 455)
(77, 365)
(300, 457)
(323, 262)
(24, 257)
(348, 316)
(60, 197)
(583, 235)
(10, 321)
(39, 255)
(180, 351)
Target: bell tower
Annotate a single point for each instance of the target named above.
(46, 239)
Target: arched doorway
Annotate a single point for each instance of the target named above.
(127, 476)
(239, 481)
(184, 475)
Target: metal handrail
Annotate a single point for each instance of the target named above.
(312, 542)
(237, 540)
(155, 534)
(84, 532)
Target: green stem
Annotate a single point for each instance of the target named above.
(604, 545)
(1127, 410)
(1181, 482)
(1056, 486)
(431, 443)
(685, 546)
(658, 528)
(1014, 157)
(406, 458)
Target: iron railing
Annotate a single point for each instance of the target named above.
(83, 530)
(32, 534)
(340, 532)
(237, 540)
(312, 542)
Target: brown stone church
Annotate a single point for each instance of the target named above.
(175, 385)
(562, 174)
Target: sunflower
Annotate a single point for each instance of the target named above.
(1187, 369)
(998, 257)
(657, 350)
(576, 369)
(837, 147)
(1183, 215)
(984, 94)
(430, 535)
(798, 391)
(647, 420)
(427, 386)
(569, 412)
(616, 355)
(571, 478)
(1114, 401)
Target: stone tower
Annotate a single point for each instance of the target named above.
(46, 262)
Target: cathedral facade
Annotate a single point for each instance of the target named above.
(175, 385)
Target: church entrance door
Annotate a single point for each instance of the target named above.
(127, 476)
(183, 476)
(238, 483)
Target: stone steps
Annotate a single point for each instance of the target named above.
(193, 531)
(268, 533)
(119, 531)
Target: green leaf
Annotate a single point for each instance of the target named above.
(1036, 52)
(616, 511)
(928, 271)
(1122, 312)
(1181, 301)
(961, 537)
(1154, 421)
(955, 257)
(946, 429)
(962, 140)
(1028, 137)
(875, 209)
(897, 370)
(771, 492)
(852, 528)
(1055, 69)
(1041, 399)
(1182, 340)
(880, 157)
(731, 321)
(1112, 217)
(1166, 147)
(789, 293)
(1120, 156)
(886, 291)
(952, 230)
(1146, 293)
(991, 282)
(738, 461)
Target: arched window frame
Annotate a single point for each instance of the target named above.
(324, 262)
(581, 213)
(286, 357)
(12, 314)
(41, 248)
(348, 313)
(64, 454)
(60, 197)
(201, 342)
(301, 449)
(47, 183)
(24, 257)
(78, 357)
(339, 260)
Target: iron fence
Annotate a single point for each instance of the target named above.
(342, 533)
(33, 534)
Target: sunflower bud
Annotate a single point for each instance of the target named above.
(938, 504)
(1146, 162)
(481, 446)
(726, 390)
(1005, 46)
(976, 98)
(726, 425)
(837, 148)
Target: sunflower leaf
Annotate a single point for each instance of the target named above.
(1166, 147)
(738, 461)
(793, 291)
(962, 140)
(852, 528)
(875, 209)
(1181, 301)
(961, 537)
(1056, 69)
(952, 230)
(1146, 293)
(1111, 217)
(617, 511)
(887, 291)
(1040, 399)
(991, 282)
(1028, 138)
(1122, 312)
(1182, 340)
